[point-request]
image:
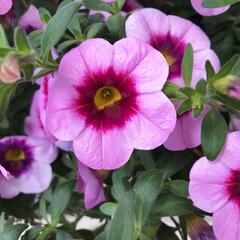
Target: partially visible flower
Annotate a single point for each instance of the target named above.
(198, 7)
(170, 35)
(10, 70)
(108, 100)
(91, 184)
(187, 132)
(234, 123)
(25, 166)
(31, 20)
(5, 6)
(198, 228)
(215, 187)
(35, 124)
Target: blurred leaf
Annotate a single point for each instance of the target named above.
(232, 103)
(44, 15)
(120, 4)
(147, 160)
(146, 188)
(63, 235)
(187, 65)
(3, 38)
(32, 233)
(35, 38)
(21, 41)
(218, 3)
(67, 44)
(75, 28)
(213, 134)
(108, 208)
(61, 197)
(94, 30)
(115, 24)
(57, 26)
(168, 204)
(12, 232)
(185, 107)
(178, 188)
(167, 233)
(98, 5)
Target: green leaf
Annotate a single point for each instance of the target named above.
(213, 134)
(187, 65)
(167, 233)
(32, 233)
(120, 4)
(57, 26)
(98, 5)
(108, 208)
(61, 197)
(44, 15)
(123, 223)
(168, 204)
(94, 30)
(185, 107)
(3, 38)
(178, 187)
(35, 38)
(146, 188)
(21, 41)
(115, 24)
(218, 3)
(63, 235)
(67, 44)
(6, 92)
(13, 232)
(75, 28)
(147, 160)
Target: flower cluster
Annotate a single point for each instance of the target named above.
(105, 89)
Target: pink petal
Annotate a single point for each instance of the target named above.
(153, 123)
(197, 5)
(102, 150)
(5, 173)
(5, 6)
(207, 184)
(9, 188)
(226, 222)
(147, 66)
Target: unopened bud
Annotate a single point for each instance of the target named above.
(10, 70)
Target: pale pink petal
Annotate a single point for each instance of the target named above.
(207, 187)
(5, 6)
(226, 222)
(5, 173)
(155, 119)
(142, 62)
(9, 188)
(197, 5)
(102, 150)
(91, 185)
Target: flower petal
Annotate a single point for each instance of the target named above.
(5, 6)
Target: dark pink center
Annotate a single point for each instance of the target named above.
(114, 116)
(173, 47)
(233, 186)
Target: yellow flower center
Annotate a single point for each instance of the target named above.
(169, 58)
(15, 155)
(106, 96)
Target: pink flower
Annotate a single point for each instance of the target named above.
(235, 123)
(91, 185)
(25, 166)
(198, 7)
(170, 35)
(5, 6)
(108, 100)
(214, 188)
(35, 124)
(187, 132)
(30, 20)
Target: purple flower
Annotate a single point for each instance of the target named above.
(5, 6)
(107, 99)
(25, 166)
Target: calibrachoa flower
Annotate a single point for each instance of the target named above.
(108, 100)
(187, 132)
(35, 124)
(25, 166)
(170, 35)
(214, 188)
(198, 7)
(90, 183)
(31, 20)
(5, 6)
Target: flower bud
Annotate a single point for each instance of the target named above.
(198, 228)
(10, 70)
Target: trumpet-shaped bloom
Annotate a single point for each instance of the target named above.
(31, 20)
(198, 7)
(170, 35)
(108, 100)
(215, 186)
(187, 132)
(5, 6)
(35, 124)
(25, 166)
(90, 183)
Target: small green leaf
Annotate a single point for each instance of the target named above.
(57, 26)
(3, 38)
(108, 208)
(232, 103)
(98, 5)
(147, 160)
(115, 24)
(21, 41)
(120, 4)
(35, 38)
(178, 187)
(44, 15)
(185, 107)
(94, 30)
(187, 65)
(218, 3)
(12, 232)
(63, 235)
(213, 134)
